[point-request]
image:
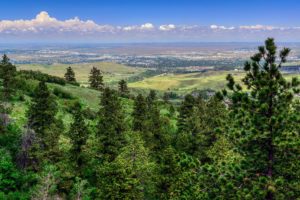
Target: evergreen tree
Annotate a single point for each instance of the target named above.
(139, 113)
(264, 129)
(7, 73)
(111, 125)
(123, 89)
(78, 133)
(166, 97)
(96, 79)
(185, 113)
(42, 111)
(41, 118)
(129, 176)
(70, 75)
(152, 96)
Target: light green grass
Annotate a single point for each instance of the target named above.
(184, 83)
(112, 72)
(89, 97)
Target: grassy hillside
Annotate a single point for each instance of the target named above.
(184, 83)
(112, 71)
(180, 83)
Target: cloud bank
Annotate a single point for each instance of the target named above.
(46, 28)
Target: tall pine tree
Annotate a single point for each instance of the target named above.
(96, 79)
(7, 73)
(41, 118)
(70, 75)
(139, 113)
(264, 126)
(78, 134)
(123, 88)
(111, 125)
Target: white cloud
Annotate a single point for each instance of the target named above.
(147, 26)
(258, 27)
(222, 27)
(44, 26)
(168, 27)
(43, 23)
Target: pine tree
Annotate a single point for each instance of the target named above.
(96, 79)
(111, 125)
(70, 75)
(7, 73)
(185, 113)
(264, 127)
(42, 110)
(152, 96)
(129, 176)
(41, 118)
(78, 134)
(123, 89)
(139, 113)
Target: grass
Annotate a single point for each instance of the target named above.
(183, 83)
(186, 82)
(112, 72)
(89, 97)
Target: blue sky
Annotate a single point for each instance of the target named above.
(211, 20)
(122, 12)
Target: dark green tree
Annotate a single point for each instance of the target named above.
(42, 111)
(139, 114)
(129, 176)
(70, 75)
(264, 128)
(111, 125)
(78, 134)
(123, 88)
(7, 73)
(152, 96)
(41, 118)
(185, 113)
(96, 79)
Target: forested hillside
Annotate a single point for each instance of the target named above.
(59, 140)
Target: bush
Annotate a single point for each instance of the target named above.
(36, 75)
(59, 92)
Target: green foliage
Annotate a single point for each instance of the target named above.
(111, 125)
(78, 134)
(42, 111)
(245, 147)
(70, 76)
(139, 113)
(46, 187)
(129, 176)
(263, 126)
(61, 93)
(96, 79)
(185, 113)
(39, 76)
(123, 89)
(10, 177)
(41, 118)
(7, 73)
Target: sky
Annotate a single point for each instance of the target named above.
(149, 21)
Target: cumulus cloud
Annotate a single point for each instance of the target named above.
(43, 23)
(44, 26)
(216, 27)
(168, 27)
(147, 26)
(259, 27)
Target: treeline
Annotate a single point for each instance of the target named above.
(235, 145)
